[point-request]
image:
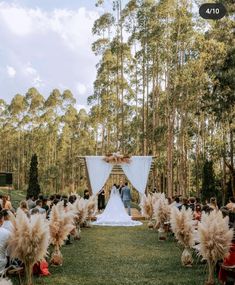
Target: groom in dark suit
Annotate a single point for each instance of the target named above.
(126, 197)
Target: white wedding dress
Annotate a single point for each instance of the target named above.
(115, 213)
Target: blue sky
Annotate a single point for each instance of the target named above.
(47, 44)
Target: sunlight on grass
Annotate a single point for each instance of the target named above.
(107, 255)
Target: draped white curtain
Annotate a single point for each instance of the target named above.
(98, 171)
(137, 171)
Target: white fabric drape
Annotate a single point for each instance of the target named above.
(137, 171)
(98, 171)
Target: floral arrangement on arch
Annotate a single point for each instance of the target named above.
(117, 158)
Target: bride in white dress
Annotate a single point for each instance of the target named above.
(115, 213)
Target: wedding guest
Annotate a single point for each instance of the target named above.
(213, 203)
(101, 200)
(231, 204)
(40, 197)
(184, 204)
(206, 208)
(31, 202)
(39, 207)
(192, 201)
(44, 204)
(7, 224)
(228, 261)
(120, 189)
(154, 190)
(1, 201)
(58, 197)
(24, 207)
(197, 213)
(4, 236)
(6, 204)
(169, 199)
(177, 202)
(34, 211)
(72, 199)
(86, 195)
(50, 201)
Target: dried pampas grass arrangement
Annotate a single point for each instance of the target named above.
(182, 226)
(155, 197)
(91, 209)
(61, 224)
(5, 281)
(162, 212)
(29, 241)
(147, 208)
(117, 158)
(215, 240)
(80, 211)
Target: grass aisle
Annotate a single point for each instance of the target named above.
(109, 255)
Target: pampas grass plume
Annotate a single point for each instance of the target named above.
(5, 281)
(29, 240)
(215, 239)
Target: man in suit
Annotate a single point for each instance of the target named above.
(101, 200)
(126, 197)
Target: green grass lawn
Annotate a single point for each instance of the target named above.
(133, 255)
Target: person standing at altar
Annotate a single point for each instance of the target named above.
(126, 197)
(101, 200)
(86, 195)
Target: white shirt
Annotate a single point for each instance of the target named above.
(8, 226)
(4, 236)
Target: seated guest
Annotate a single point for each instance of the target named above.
(40, 197)
(192, 201)
(231, 204)
(6, 203)
(34, 211)
(86, 195)
(169, 199)
(31, 202)
(44, 204)
(177, 203)
(207, 209)
(4, 236)
(197, 213)
(51, 199)
(1, 201)
(184, 204)
(72, 199)
(58, 197)
(24, 208)
(39, 207)
(228, 261)
(41, 268)
(213, 203)
(7, 224)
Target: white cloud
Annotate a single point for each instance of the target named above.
(48, 49)
(38, 82)
(32, 74)
(16, 19)
(81, 88)
(11, 71)
(29, 70)
(72, 26)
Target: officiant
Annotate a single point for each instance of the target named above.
(101, 200)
